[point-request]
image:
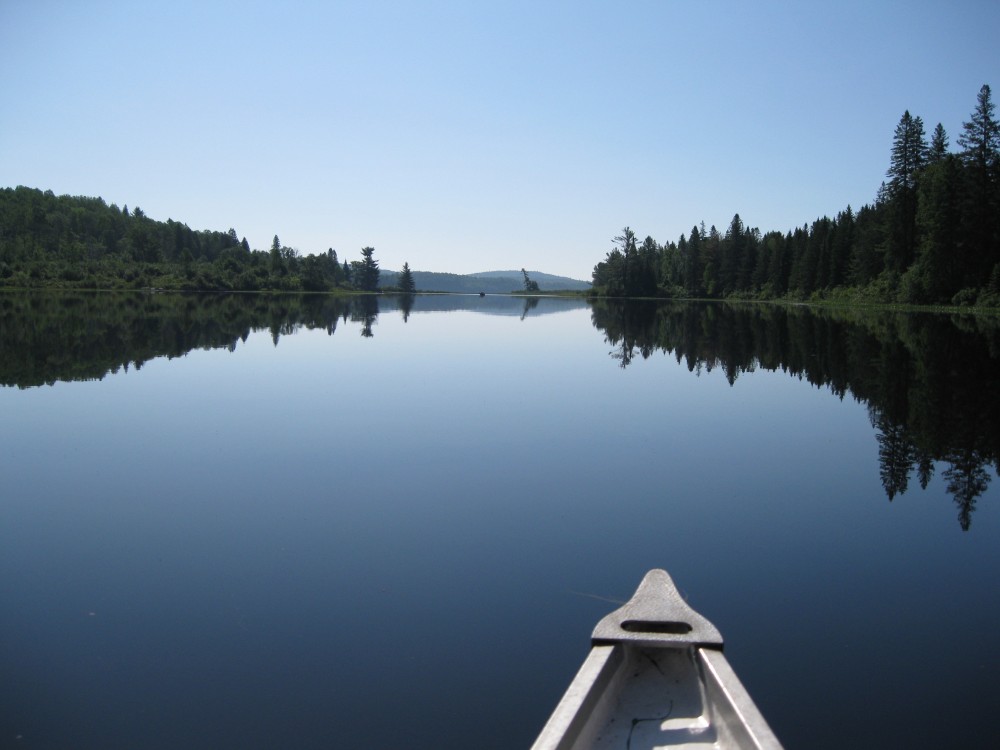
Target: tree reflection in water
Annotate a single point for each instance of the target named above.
(929, 380)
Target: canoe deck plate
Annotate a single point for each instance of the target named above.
(656, 677)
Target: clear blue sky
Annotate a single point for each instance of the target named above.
(467, 136)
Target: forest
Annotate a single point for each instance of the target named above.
(76, 242)
(931, 236)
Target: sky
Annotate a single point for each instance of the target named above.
(475, 136)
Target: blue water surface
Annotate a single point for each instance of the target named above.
(405, 539)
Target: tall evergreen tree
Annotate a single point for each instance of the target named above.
(277, 262)
(648, 260)
(909, 156)
(334, 270)
(748, 262)
(980, 138)
(777, 263)
(406, 284)
(671, 273)
(529, 285)
(843, 241)
(935, 275)
(802, 267)
(367, 277)
(980, 142)
(731, 251)
(626, 245)
(866, 260)
(939, 145)
(710, 248)
(692, 264)
(909, 153)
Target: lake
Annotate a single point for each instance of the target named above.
(281, 521)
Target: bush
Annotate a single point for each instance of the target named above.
(913, 287)
(988, 298)
(965, 298)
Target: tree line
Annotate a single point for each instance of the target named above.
(81, 242)
(931, 236)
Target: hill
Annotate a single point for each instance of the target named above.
(81, 242)
(493, 282)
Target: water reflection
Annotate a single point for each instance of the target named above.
(530, 303)
(406, 305)
(45, 338)
(364, 310)
(929, 380)
(50, 337)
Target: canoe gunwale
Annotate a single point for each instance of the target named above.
(621, 639)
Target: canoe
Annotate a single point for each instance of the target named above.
(656, 677)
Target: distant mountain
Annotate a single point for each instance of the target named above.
(545, 280)
(494, 282)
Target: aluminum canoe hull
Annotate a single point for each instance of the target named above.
(656, 677)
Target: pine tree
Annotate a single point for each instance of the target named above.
(980, 138)
(648, 256)
(843, 241)
(710, 261)
(277, 262)
(939, 145)
(406, 284)
(909, 153)
(692, 264)
(935, 276)
(866, 261)
(367, 279)
(731, 251)
(909, 156)
(980, 142)
(529, 285)
(626, 245)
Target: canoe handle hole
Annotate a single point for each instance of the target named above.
(647, 626)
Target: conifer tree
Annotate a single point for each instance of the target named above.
(367, 278)
(939, 144)
(980, 142)
(909, 156)
(980, 138)
(909, 153)
(529, 285)
(692, 264)
(406, 284)
(277, 264)
(710, 248)
(626, 244)
(938, 217)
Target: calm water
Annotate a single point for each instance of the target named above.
(300, 522)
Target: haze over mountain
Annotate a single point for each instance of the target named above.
(493, 282)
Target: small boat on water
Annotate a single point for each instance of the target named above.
(656, 677)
